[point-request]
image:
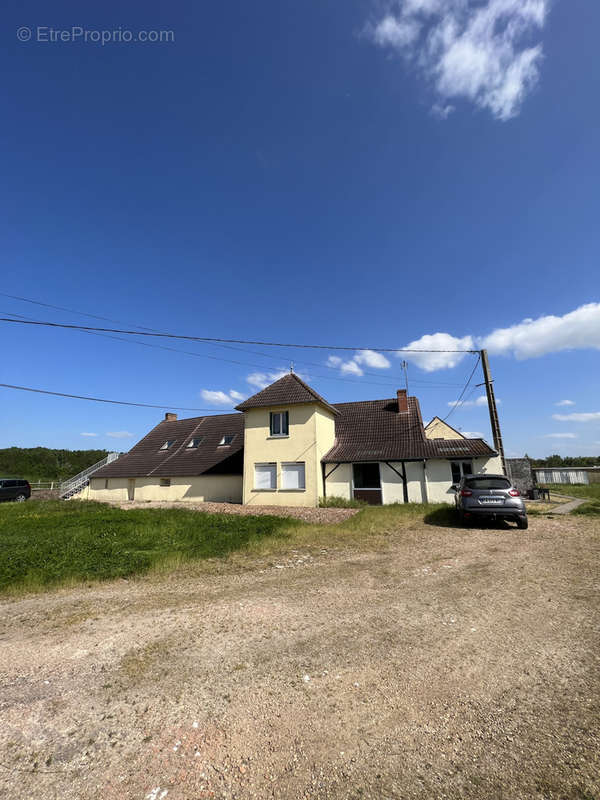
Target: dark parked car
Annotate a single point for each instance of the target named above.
(489, 497)
(14, 489)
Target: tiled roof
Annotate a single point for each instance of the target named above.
(289, 390)
(373, 430)
(146, 458)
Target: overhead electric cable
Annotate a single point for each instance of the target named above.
(460, 397)
(231, 341)
(102, 399)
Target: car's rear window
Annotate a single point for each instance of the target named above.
(488, 483)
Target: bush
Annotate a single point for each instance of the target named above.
(340, 502)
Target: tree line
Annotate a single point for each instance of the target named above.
(565, 461)
(45, 464)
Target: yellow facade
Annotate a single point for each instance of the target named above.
(438, 429)
(205, 488)
(311, 435)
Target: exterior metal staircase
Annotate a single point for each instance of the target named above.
(78, 482)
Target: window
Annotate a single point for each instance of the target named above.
(169, 443)
(459, 469)
(106, 483)
(227, 439)
(488, 483)
(193, 443)
(165, 481)
(292, 476)
(279, 423)
(265, 476)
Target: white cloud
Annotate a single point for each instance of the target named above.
(467, 49)
(549, 334)
(592, 416)
(262, 379)
(480, 401)
(560, 436)
(119, 434)
(565, 403)
(220, 398)
(437, 341)
(334, 361)
(576, 330)
(371, 358)
(88, 434)
(351, 368)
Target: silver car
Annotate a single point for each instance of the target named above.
(491, 497)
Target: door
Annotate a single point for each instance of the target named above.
(366, 483)
(131, 489)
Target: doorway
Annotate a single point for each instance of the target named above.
(131, 489)
(366, 483)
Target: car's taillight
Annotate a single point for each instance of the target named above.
(466, 493)
(514, 493)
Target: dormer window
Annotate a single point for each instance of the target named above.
(194, 443)
(168, 444)
(279, 423)
(227, 439)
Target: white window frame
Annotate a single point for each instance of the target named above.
(295, 464)
(168, 444)
(281, 415)
(223, 443)
(272, 465)
(191, 445)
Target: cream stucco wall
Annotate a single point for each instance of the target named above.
(425, 485)
(205, 488)
(311, 435)
(437, 429)
(439, 476)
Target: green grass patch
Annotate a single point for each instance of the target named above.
(591, 490)
(591, 509)
(53, 543)
(340, 502)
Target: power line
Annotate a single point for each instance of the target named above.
(457, 403)
(101, 399)
(420, 381)
(229, 341)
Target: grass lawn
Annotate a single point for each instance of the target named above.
(51, 543)
(590, 491)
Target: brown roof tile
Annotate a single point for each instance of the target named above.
(146, 458)
(289, 390)
(373, 430)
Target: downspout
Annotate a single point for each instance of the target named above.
(324, 481)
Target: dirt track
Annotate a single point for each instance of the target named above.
(454, 663)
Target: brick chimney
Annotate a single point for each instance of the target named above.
(170, 417)
(402, 400)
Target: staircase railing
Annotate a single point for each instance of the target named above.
(75, 484)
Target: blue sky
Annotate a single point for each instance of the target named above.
(354, 173)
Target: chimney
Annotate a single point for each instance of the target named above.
(170, 417)
(402, 400)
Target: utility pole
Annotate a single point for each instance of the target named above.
(494, 421)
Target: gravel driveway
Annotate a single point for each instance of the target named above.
(449, 664)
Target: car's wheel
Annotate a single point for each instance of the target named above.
(20, 498)
(522, 523)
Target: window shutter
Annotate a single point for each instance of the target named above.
(265, 476)
(293, 476)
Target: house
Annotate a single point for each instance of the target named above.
(288, 446)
